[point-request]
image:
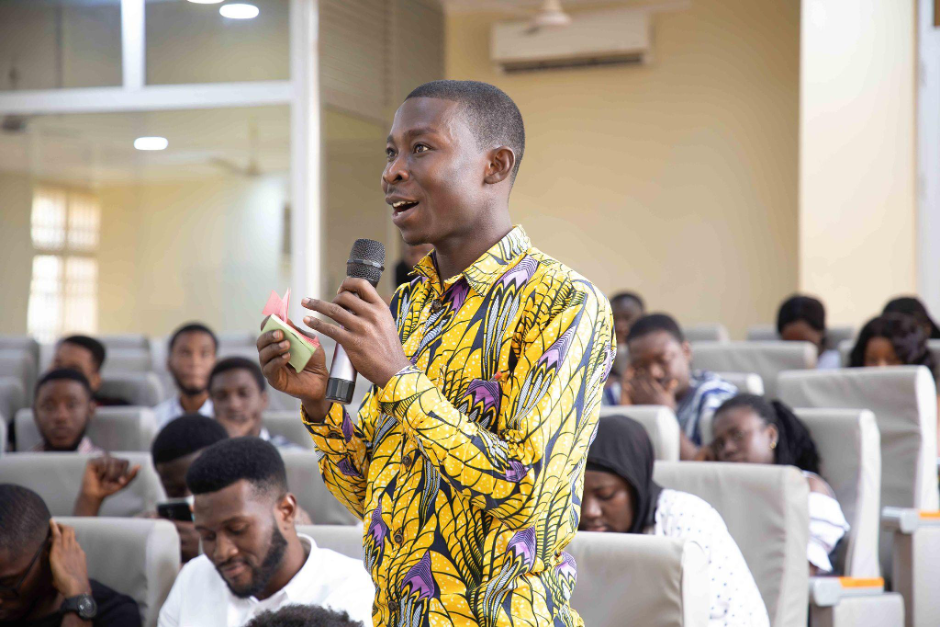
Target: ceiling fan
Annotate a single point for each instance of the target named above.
(549, 15)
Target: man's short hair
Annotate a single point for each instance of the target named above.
(656, 322)
(96, 348)
(184, 436)
(239, 363)
(236, 459)
(303, 616)
(492, 115)
(628, 297)
(806, 308)
(24, 517)
(63, 374)
(193, 327)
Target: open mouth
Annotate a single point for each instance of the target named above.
(402, 206)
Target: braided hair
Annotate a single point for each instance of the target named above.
(795, 446)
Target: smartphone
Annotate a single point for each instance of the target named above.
(176, 510)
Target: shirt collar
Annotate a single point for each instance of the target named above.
(489, 267)
(298, 589)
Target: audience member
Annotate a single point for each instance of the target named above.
(239, 399)
(627, 308)
(87, 355)
(912, 306)
(804, 319)
(192, 354)
(254, 560)
(750, 429)
(303, 616)
(660, 373)
(62, 409)
(172, 452)
(621, 496)
(44, 574)
(892, 340)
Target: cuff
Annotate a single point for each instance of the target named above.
(332, 422)
(400, 395)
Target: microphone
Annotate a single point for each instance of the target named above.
(367, 259)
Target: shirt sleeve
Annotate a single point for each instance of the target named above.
(548, 412)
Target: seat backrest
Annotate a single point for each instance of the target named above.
(838, 335)
(137, 557)
(288, 425)
(122, 360)
(12, 397)
(344, 539)
(124, 341)
(306, 483)
(20, 365)
(934, 347)
(769, 333)
(57, 478)
(905, 403)
(714, 332)
(846, 347)
(767, 359)
(746, 382)
(20, 342)
(236, 339)
(3, 435)
(281, 402)
(847, 441)
(138, 388)
(124, 428)
(660, 424)
(765, 510)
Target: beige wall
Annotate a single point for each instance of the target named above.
(16, 201)
(857, 171)
(677, 179)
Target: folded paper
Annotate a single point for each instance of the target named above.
(302, 347)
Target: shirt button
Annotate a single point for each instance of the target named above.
(398, 538)
(436, 305)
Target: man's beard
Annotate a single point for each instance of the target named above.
(187, 390)
(262, 574)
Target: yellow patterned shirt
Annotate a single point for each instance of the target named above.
(467, 468)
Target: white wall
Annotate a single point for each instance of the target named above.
(929, 168)
(16, 201)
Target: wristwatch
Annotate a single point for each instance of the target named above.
(83, 604)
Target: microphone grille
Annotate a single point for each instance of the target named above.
(367, 260)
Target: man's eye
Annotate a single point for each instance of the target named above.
(390, 154)
(421, 148)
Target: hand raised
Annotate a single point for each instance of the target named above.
(106, 475)
(67, 562)
(309, 385)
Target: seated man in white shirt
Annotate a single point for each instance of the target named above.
(239, 397)
(191, 356)
(253, 559)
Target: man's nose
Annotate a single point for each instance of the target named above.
(395, 172)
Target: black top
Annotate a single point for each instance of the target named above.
(114, 610)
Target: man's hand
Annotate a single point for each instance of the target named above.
(189, 539)
(67, 562)
(642, 389)
(103, 477)
(367, 332)
(309, 385)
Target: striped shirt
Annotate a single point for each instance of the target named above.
(706, 392)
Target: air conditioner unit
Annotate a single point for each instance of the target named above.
(595, 38)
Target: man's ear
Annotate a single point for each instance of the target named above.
(687, 350)
(286, 510)
(500, 166)
(95, 382)
(264, 400)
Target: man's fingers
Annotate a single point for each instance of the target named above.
(54, 528)
(335, 333)
(334, 312)
(131, 475)
(269, 337)
(353, 303)
(273, 351)
(363, 289)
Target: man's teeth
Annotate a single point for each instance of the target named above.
(401, 203)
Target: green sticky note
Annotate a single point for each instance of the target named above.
(301, 350)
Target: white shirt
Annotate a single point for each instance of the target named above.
(733, 595)
(201, 598)
(171, 408)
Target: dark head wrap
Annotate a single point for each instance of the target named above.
(623, 447)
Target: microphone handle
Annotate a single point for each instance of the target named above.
(342, 380)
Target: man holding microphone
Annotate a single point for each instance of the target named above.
(467, 459)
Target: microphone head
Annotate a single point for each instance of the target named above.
(367, 260)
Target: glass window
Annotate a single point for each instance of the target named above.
(194, 43)
(57, 44)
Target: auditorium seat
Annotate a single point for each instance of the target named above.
(769, 333)
(236, 339)
(767, 359)
(138, 388)
(915, 569)
(934, 347)
(765, 509)
(905, 403)
(12, 397)
(123, 360)
(623, 579)
(307, 485)
(846, 347)
(851, 462)
(21, 343)
(124, 341)
(122, 428)
(57, 478)
(706, 333)
(19, 363)
(288, 424)
(137, 557)
(660, 424)
(3, 435)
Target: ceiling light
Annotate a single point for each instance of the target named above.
(205, 1)
(151, 143)
(239, 11)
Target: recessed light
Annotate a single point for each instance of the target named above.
(151, 143)
(239, 11)
(205, 1)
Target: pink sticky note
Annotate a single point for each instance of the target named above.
(278, 306)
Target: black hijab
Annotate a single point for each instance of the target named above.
(622, 447)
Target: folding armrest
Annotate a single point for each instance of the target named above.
(915, 562)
